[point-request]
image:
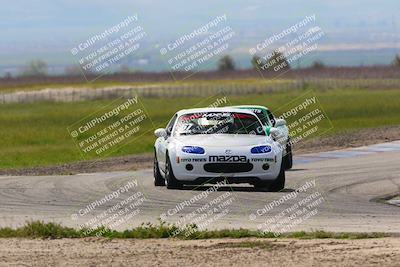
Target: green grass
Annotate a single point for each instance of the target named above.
(36, 134)
(38, 229)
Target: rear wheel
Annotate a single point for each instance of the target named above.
(158, 179)
(279, 183)
(170, 179)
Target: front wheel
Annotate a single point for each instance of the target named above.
(158, 179)
(170, 180)
(279, 183)
(288, 158)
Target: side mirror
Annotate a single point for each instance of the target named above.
(280, 122)
(277, 135)
(274, 132)
(160, 132)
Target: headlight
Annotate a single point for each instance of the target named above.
(260, 149)
(193, 149)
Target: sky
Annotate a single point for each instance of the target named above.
(49, 28)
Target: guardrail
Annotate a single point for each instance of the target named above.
(191, 90)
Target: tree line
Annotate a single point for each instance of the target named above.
(276, 61)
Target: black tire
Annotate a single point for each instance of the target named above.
(158, 179)
(261, 185)
(288, 158)
(170, 180)
(279, 183)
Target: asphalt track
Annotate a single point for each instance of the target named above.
(345, 197)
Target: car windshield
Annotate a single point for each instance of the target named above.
(261, 115)
(218, 123)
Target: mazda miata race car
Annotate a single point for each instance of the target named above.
(270, 122)
(208, 145)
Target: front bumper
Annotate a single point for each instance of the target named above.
(222, 168)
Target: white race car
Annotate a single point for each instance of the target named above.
(208, 145)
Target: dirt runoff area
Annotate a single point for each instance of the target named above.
(212, 252)
(142, 161)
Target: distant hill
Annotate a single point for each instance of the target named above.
(49, 29)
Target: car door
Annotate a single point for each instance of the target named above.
(163, 144)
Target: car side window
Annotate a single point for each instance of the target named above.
(271, 117)
(171, 125)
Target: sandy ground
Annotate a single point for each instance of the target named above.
(358, 138)
(214, 252)
(142, 161)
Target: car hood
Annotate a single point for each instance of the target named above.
(223, 140)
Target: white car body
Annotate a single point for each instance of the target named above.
(226, 156)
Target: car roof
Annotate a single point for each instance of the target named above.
(221, 109)
(250, 106)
